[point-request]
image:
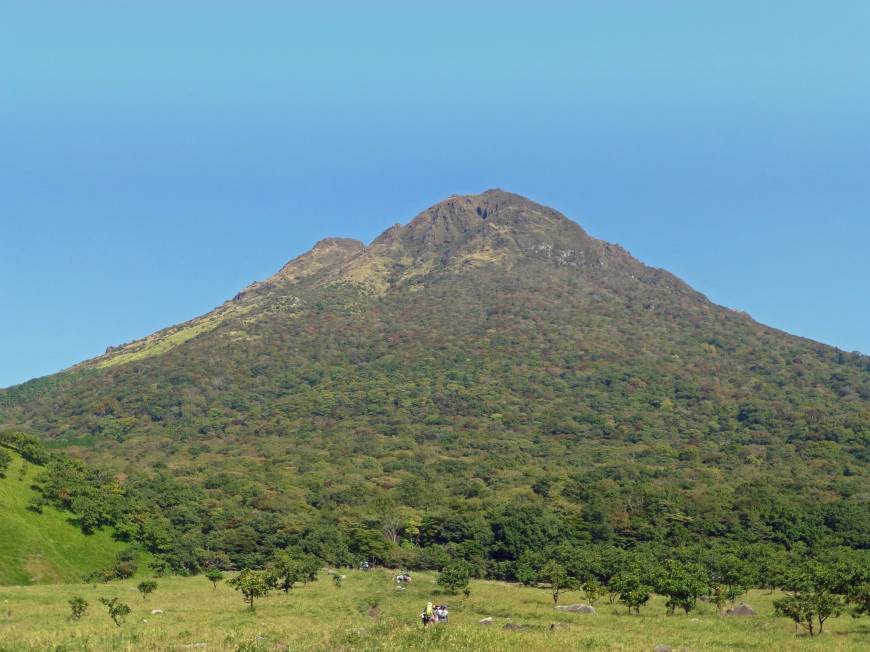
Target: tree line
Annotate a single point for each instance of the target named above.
(189, 529)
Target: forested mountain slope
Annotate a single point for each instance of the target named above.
(485, 379)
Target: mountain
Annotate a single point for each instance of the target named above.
(486, 358)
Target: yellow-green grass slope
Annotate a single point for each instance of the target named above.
(47, 547)
(369, 613)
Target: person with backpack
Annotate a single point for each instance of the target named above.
(428, 615)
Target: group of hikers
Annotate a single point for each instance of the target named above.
(434, 614)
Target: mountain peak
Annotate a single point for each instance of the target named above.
(495, 229)
(492, 226)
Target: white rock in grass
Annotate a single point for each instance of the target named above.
(577, 608)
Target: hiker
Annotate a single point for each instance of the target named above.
(428, 614)
(441, 613)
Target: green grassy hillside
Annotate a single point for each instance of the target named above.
(47, 547)
(369, 613)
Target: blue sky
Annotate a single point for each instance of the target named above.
(156, 157)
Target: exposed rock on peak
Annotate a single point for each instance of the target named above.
(471, 230)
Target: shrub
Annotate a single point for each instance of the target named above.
(251, 584)
(214, 575)
(146, 587)
(118, 611)
(78, 607)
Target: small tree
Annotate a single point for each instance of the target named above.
(78, 607)
(632, 590)
(557, 577)
(859, 596)
(813, 599)
(285, 571)
(251, 584)
(309, 567)
(336, 579)
(118, 611)
(807, 609)
(455, 576)
(682, 584)
(146, 587)
(593, 590)
(729, 578)
(214, 575)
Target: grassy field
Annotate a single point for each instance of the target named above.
(369, 613)
(41, 548)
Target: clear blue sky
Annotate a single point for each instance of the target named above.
(156, 156)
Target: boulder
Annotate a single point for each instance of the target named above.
(577, 608)
(514, 627)
(485, 621)
(741, 609)
(156, 612)
(662, 648)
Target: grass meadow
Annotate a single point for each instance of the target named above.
(369, 613)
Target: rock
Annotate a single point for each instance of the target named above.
(514, 627)
(577, 608)
(741, 609)
(485, 621)
(704, 598)
(555, 626)
(156, 612)
(662, 648)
